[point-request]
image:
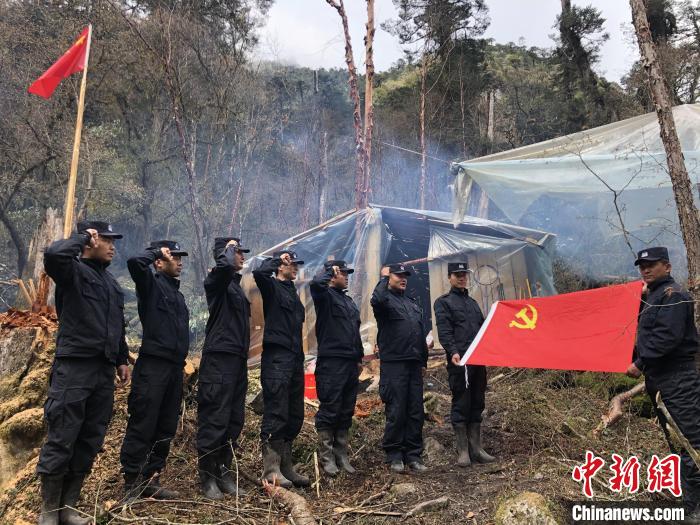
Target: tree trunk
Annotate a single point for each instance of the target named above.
(682, 191)
(369, 105)
(323, 179)
(360, 197)
(421, 118)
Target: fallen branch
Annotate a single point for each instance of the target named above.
(433, 504)
(615, 410)
(296, 504)
(676, 432)
(358, 510)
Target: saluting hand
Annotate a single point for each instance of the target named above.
(165, 253)
(336, 271)
(385, 271)
(286, 259)
(123, 376)
(93, 237)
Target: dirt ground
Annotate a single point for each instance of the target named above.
(538, 423)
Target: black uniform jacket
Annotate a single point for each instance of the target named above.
(458, 318)
(228, 327)
(401, 335)
(89, 303)
(666, 334)
(284, 312)
(337, 320)
(162, 310)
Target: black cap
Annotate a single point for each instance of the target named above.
(173, 246)
(657, 253)
(342, 266)
(292, 254)
(457, 267)
(104, 229)
(399, 269)
(221, 242)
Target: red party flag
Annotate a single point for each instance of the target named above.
(71, 62)
(590, 330)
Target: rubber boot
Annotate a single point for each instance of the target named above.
(287, 467)
(417, 466)
(227, 482)
(72, 484)
(397, 466)
(340, 449)
(207, 477)
(51, 487)
(153, 489)
(462, 445)
(325, 452)
(272, 457)
(477, 453)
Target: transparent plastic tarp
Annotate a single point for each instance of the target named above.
(505, 259)
(568, 185)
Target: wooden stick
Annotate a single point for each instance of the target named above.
(318, 476)
(673, 429)
(25, 292)
(356, 510)
(298, 508)
(615, 410)
(529, 290)
(69, 205)
(442, 502)
(32, 288)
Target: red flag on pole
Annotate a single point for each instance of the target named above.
(590, 330)
(71, 62)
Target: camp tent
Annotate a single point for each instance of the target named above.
(507, 261)
(567, 186)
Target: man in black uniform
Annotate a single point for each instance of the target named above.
(90, 342)
(403, 354)
(667, 342)
(223, 374)
(458, 318)
(282, 367)
(156, 391)
(338, 364)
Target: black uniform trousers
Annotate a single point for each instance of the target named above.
(77, 412)
(680, 392)
(223, 383)
(401, 390)
(468, 402)
(154, 411)
(337, 379)
(282, 379)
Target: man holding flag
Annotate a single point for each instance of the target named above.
(458, 318)
(667, 342)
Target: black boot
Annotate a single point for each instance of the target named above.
(227, 482)
(72, 484)
(477, 453)
(340, 449)
(153, 489)
(272, 457)
(287, 467)
(51, 487)
(325, 452)
(207, 477)
(132, 488)
(462, 445)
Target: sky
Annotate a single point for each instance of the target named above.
(309, 32)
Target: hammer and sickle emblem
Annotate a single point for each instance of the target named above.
(529, 322)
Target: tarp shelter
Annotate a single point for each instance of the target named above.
(507, 261)
(567, 186)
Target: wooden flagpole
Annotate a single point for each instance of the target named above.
(69, 206)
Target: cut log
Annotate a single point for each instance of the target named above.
(615, 411)
(296, 504)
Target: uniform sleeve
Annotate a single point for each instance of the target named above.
(263, 276)
(380, 297)
(445, 330)
(319, 284)
(140, 269)
(61, 257)
(123, 356)
(222, 274)
(670, 323)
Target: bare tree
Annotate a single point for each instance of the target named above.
(687, 212)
